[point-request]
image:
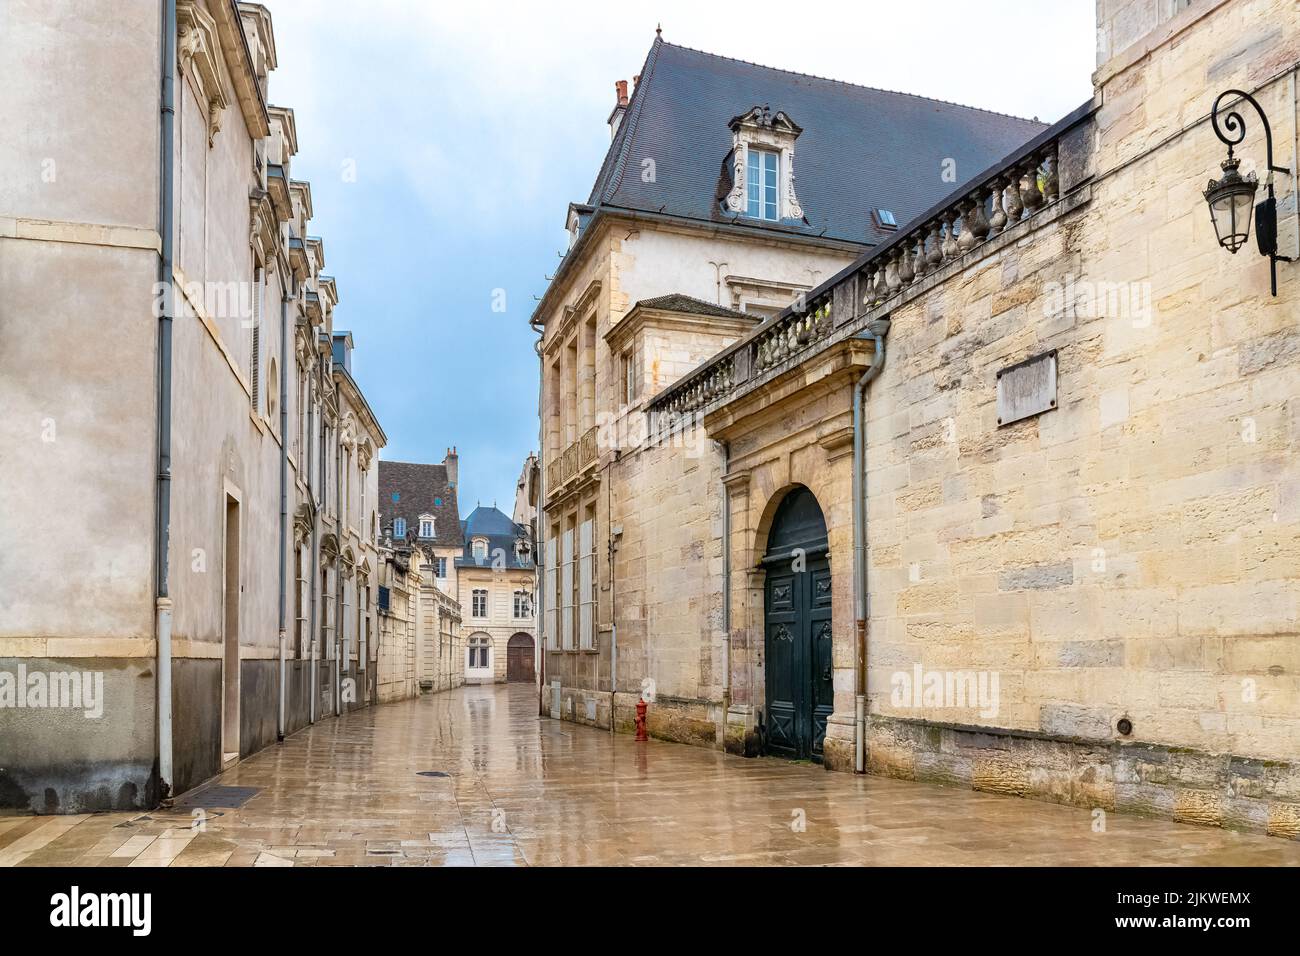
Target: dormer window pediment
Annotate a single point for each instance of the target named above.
(762, 157)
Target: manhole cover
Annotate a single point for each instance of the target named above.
(227, 797)
(432, 773)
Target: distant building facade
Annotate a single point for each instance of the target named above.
(420, 524)
(495, 574)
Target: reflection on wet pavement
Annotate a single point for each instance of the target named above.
(524, 790)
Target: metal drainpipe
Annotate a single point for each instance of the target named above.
(338, 573)
(877, 330)
(285, 298)
(726, 591)
(1295, 155)
(162, 525)
(313, 690)
(613, 599)
(539, 564)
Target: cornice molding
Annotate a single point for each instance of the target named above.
(239, 62)
(198, 57)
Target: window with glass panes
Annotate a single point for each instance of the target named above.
(761, 183)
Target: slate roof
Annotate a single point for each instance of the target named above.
(501, 532)
(410, 489)
(861, 148)
(677, 302)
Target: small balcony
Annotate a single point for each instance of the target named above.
(577, 460)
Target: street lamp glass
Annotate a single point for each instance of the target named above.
(1231, 200)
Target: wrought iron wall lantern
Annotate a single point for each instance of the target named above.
(1232, 197)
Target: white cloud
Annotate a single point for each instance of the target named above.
(491, 111)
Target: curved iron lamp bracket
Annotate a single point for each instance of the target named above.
(1231, 130)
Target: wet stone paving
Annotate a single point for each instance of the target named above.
(473, 777)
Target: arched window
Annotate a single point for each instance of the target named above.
(480, 651)
(480, 548)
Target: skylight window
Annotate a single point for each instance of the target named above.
(885, 219)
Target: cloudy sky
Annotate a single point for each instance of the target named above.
(444, 140)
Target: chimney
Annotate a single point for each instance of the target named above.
(449, 462)
(620, 107)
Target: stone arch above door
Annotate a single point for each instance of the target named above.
(520, 658)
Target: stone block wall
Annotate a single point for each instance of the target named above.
(1128, 563)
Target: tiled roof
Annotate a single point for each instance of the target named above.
(410, 489)
(677, 302)
(501, 533)
(860, 149)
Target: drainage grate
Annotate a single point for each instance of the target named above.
(227, 797)
(432, 773)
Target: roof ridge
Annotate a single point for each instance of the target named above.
(856, 86)
(627, 129)
(691, 298)
(423, 464)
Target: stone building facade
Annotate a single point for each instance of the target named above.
(400, 643)
(178, 392)
(496, 576)
(1078, 464)
(442, 648)
(419, 522)
(662, 273)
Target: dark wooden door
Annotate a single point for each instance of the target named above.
(519, 659)
(797, 664)
(800, 690)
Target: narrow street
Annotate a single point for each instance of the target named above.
(519, 790)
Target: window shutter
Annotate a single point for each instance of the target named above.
(586, 584)
(255, 363)
(551, 612)
(566, 591)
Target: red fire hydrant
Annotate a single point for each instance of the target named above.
(640, 720)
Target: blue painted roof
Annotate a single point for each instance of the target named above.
(502, 535)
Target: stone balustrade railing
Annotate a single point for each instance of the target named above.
(1023, 185)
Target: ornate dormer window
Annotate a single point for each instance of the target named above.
(399, 529)
(480, 548)
(426, 526)
(762, 155)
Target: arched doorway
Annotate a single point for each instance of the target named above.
(519, 659)
(797, 629)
